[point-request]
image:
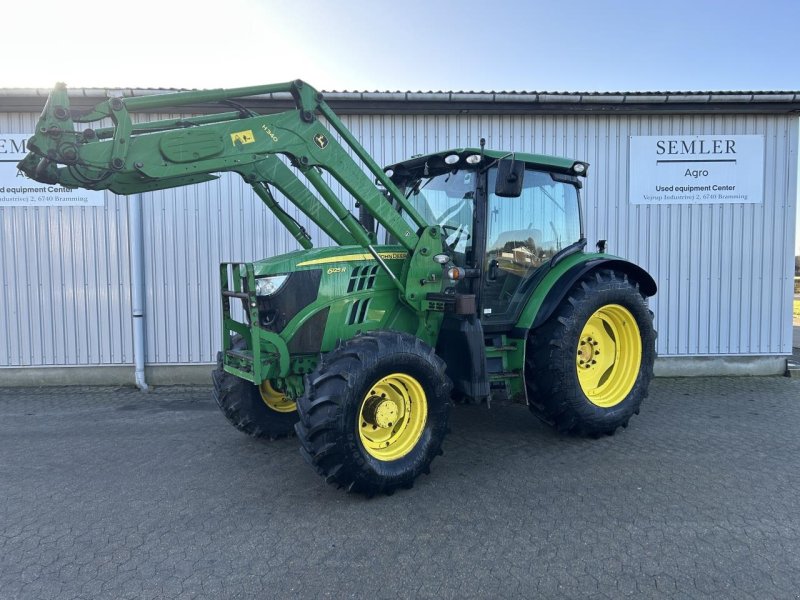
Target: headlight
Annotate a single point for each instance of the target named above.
(266, 286)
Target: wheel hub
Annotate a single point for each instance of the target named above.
(392, 416)
(588, 351)
(380, 412)
(609, 355)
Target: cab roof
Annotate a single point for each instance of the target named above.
(436, 161)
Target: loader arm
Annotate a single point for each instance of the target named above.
(129, 158)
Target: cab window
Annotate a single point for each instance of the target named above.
(524, 233)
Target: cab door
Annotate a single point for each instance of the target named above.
(523, 234)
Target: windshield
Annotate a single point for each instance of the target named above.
(447, 200)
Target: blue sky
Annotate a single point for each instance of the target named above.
(573, 45)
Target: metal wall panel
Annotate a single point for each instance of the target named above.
(65, 298)
(724, 271)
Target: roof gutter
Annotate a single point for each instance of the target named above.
(32, 100)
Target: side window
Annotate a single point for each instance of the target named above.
(523, 234)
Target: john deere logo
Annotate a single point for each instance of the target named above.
(321, 141)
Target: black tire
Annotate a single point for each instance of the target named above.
(330, 411)
(241, 403)
(555, 394)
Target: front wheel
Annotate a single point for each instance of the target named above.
(589, 367)
(374, 412)
(259, 411)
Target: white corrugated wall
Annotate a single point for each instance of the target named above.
(724, 271)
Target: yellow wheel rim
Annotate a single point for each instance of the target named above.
(609, 355)
(277, 401)
(392, 416)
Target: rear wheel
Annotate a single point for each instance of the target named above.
(260, 411)
(374, 413)
(589, 367)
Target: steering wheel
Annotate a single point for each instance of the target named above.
(460, 231)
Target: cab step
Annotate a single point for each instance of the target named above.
(504, 375)
(491, 349)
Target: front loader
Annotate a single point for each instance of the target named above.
(463, 278)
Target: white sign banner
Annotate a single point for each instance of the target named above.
(696, 169)
(17, 190)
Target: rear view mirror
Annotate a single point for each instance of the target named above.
(510, 175)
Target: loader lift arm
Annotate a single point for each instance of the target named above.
(129, 158)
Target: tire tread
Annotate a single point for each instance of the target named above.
(554, 395)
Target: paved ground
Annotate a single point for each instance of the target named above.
(108, 493)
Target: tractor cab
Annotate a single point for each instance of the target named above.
(507, 218)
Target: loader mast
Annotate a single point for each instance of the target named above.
(129, 158)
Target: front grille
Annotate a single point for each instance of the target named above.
(299, 290)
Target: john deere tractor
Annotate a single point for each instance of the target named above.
(463, 278)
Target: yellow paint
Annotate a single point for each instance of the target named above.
(392, 416)
(243, 137)
(277, 401)
(349, 257)
(609, 355)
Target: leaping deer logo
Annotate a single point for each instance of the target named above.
(321, 141)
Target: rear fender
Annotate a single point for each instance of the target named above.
(534, 316)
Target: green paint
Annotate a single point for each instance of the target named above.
(515, 359)
(362, 287)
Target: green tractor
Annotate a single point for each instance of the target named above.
(464, 277)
